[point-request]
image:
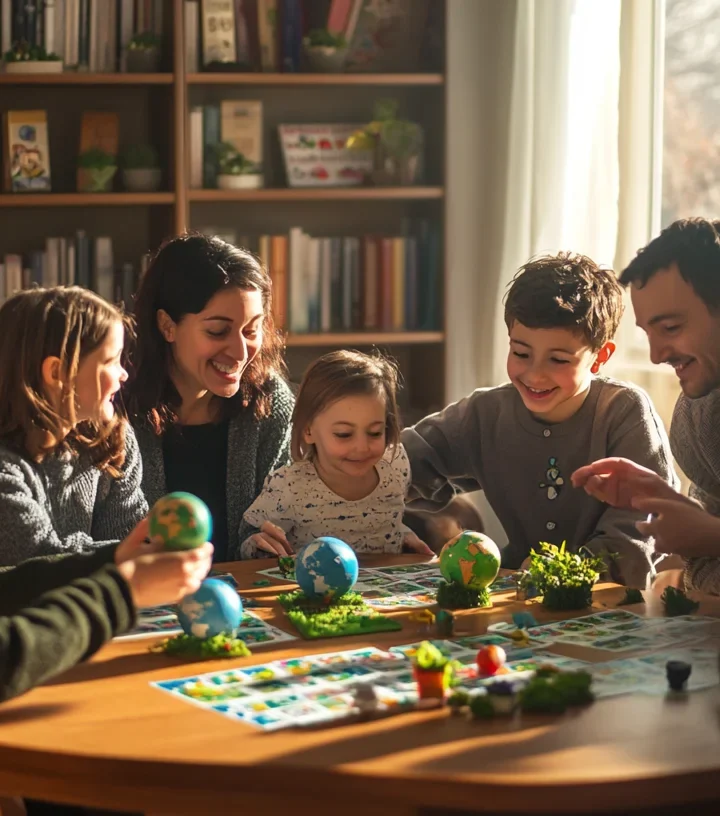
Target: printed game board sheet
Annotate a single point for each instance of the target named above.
(316, 689)
(162, 620)
(406, 586)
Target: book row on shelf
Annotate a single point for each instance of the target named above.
(279, 35)
(92, 35)
(354, 283)
(79, 260)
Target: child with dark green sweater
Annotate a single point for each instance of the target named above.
(58, 610)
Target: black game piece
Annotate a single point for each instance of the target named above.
(677, 674)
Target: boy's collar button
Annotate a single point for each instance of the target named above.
(550, 525)
(547, 432)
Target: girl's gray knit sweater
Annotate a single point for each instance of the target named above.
(64, 504)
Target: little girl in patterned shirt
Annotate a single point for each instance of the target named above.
(349, 473)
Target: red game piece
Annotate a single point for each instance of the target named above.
(490, 659)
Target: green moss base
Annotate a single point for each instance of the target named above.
(677, 602)
(632, 596)
(346, 615)
(451, 595)
(564, 598)
(203, 649)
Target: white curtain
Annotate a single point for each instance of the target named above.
(552, 123)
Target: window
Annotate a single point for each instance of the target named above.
(691, 117)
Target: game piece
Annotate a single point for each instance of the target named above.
(432, 671)
(523, 620)
(481, 708)
(343, 615)
(445, 622)
(424, 617)
(261, 582)
(189, 646)
(326, 568)
(574, 686)
(214, 609)
(519, 637)
(286, 565)
(541, 696)
(364, 698)
(490, 659)
(632, 596)
(458, 700)
(565, 579)
(677, 602)
(181, 520)
(469, 563)
(677, 672)
(503, 696)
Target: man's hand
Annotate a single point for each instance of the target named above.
(681, 527)
(137, 543)
(618, 482)
(167, 577)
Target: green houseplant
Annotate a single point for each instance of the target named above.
(24, 58)
(565, 579)
(396, 144)
(96, 170)
(325, 51)
(432, 670)
(143, 53)
(141, 169)
(234, 171)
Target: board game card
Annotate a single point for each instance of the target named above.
(622, 643)
(408, 569)
(503, 583)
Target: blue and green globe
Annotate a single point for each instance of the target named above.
(326, 568)
(181, 520)
(214, 609)
(470, 559)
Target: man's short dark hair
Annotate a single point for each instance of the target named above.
(691, 243)
(566, 291)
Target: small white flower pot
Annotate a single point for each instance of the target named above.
(144, 180)
(34, 67)
(245, 181)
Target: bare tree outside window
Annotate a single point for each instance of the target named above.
(691, 140)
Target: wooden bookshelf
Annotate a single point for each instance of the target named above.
(155, 108)
(251, 79)
(320, 194)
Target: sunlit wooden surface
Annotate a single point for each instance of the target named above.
(101, 736)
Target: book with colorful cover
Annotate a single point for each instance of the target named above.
(27, 153)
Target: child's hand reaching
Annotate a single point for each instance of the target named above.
(137, 543)
(272, 539)
(166, 577)
(412, 543)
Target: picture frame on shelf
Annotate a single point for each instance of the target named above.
(27, 152)
(317, 156)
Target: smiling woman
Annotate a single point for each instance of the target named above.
(206, 395)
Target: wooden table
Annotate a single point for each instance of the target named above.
(101, 736)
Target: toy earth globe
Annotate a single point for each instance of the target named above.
(326, 568)
(181, 520)
(471, 559)
(214, 609)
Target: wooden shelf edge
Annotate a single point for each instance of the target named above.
(318, 194)
(399, 338)
(84, 199)
(82, 78)
(251, 78)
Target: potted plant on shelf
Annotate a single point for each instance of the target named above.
(141, 169)
(325, 51)
(24, 58)
(143, 53)
(96, 169)
(564, 579)
(396, 144)
(234, 171)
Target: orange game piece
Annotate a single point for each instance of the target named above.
(490, 660)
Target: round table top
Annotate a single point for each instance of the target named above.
(100, 735)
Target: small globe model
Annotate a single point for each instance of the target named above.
(326, 568)
(181, 520)
(214, 609)
(471, 559)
